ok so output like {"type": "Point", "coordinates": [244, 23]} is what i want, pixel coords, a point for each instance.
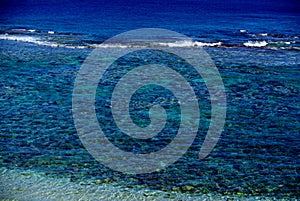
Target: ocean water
{"type": "Point", "coordinates": [254, 44]}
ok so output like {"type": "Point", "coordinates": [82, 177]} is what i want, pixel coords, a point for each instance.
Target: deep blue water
{"type": "Point", "coordinates": [258, 153]}
{"type": "Point", "coordinates": [206, 20]}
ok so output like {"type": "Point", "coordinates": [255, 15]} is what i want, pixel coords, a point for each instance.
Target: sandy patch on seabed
{"type": "Point", "coordinates": [31, 186]}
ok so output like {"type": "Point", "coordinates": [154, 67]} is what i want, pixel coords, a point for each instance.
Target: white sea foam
{"type": "Point", "coordinates": [255, 44]}
{"type": "Point", "coordinates": [189, 44]}
{"type": "Point", "coordinates": [39, 41]}
{"type": "Point", "coordinates": [28, 39]}
{"type": "Point", "coordinates": [159, 44]}
{"type": "Point", "coordinates": [44, 41]}
{"type": "Point", "coordinates": [114, 45]}
{"type": "Point", "coordinates": [21, 30]}
{"type": "Point", "coordinates": [283, 42]}
{"type": "Point", "coordinates": [243, 31]}
{"type": "Point", "coordinates": [51, 32]}
{"type": "Point", "coordinates": [263, 34]}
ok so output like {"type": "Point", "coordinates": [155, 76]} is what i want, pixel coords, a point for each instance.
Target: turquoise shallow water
{"type": "Point", "coordinates": [258, 153]}
{"type": "Point", "coordinates": [255, 46]}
